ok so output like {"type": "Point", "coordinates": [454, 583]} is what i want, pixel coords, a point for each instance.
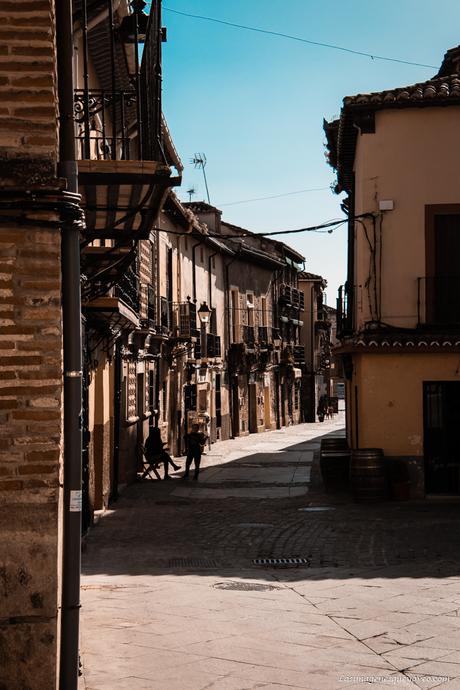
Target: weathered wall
{"type": "Point", "coordinates": [390, 398]}
{"type": "Point", "coordinates": [31, 354]}
{"type": "Point", "coordinates": [392, 164]}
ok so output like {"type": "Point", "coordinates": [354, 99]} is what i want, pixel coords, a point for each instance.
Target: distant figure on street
{"type": "Point", "coordinates": [154, 450]}
{"type": "Point", "coordinates": [196, 440]}
{"type": "Point", "coordinates": [322, 408]}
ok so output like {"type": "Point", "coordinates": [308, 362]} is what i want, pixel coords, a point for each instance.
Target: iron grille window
{"type": "Point", "coordinates": [165, 313]}
{"type": "Point", "coordinates": [213, 345]}
{"type": "Point", "coordinates": [190, 397]}
{"type": "Point", "coordinates": [127, 289]}
{"type": "Point", "coordinates": [248, 335]}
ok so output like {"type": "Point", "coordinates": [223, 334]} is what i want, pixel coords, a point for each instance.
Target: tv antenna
{"type": "Point", "coordinates": [199, 161]}
{"type": "Point", "coordinates": [190, 193]}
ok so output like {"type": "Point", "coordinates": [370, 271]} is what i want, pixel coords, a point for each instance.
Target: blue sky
{"type": "Point", "coordinates": [254, 104]}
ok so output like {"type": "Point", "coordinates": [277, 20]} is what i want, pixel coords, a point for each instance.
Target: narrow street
{"type": "Point", "coordinates": [173, 600]}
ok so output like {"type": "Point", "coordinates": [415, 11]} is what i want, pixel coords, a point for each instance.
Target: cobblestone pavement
{"type": "Point", "coordinates": [173, 600]}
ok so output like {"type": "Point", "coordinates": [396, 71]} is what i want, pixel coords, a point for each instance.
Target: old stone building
{"type": "Point", "coordinates": [85, 69]}
{"type": "Point", "coordinates": [262, 316]}
{"type": "Point", "coordinates": [399, 318]}
{"type": "Point", "coordinates": [125, 159]}
{"type": "Point", "coordinates": [315, 339]}
{"type": "Point", "coordinates": [35, 211]}
{"type": "Point", "coordinates": [122, 308]}
{"type": "Point", "coordinates": [190, 272]}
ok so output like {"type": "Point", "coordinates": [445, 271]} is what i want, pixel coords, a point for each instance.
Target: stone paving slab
{"type": "Point", "coordinates": [172, 599]}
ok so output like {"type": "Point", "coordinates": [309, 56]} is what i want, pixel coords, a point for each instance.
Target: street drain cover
{"type": "Point", "coordinates": [245, 586]}
{"type": "Point", "coordinates": [292, 562]}
{"type": "Point", "coordinates": [193, 563]}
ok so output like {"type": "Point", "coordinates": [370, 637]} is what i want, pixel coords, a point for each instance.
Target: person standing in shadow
{"type": "Point", "coordinates": [155, 450]}
{"type": "Point", "coordinates": [196, 440]}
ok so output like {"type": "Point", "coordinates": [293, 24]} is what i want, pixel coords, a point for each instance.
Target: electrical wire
{"type": "Point", "coordinates": [275, 196]}
{"type": "Point", "coordinates": [299, 39]}
{"type": "Point", "coordinates": [329, 226]}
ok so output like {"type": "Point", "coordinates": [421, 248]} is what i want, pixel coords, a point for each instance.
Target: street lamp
{"type": "Point", "coordinates": [204, 313]}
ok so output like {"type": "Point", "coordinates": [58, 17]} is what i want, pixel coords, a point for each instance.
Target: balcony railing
{"type": "Point", "coordinates": [151, 306]}
{"type": "Point", "coordinates": [213, 345]}
{"type": "Point", "coordinates": [291, 296]}
{"type": "Point", "coordinates": [185, 321]}
{"type": "Point", "coordinates": [165, 314]}
{"type": "Point", "coordinates": [248, 336]}
{"type": "Point", "coordinates": [322, 325]}
{"type": "Point", "coordinates": [299, 354]}
{"type": "Point", "coordinates": [343, 312]}
{"type": "Point", "coordinates": [438, 301]}
{"type": "Point", "coordinates": [127, 289]}
{"type": "Point", "coordinates": [104, 120]}
{"type": "Point", "coordinates": [123, 121]}
{"type": "Point", "coordinates": [263, 335]}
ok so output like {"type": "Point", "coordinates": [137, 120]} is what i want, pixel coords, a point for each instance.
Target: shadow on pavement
{"type": "Point", "coordinates": [152, 531]}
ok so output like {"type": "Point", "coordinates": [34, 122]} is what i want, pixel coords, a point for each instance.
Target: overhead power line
{"type": "Point", "coordinates": [275, 196]}
{"type": "Point", "coordinates": [328, 226]}
{"type": "Point", "coordinates": [299, 39]}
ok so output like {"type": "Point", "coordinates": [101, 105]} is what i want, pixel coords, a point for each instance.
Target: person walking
{"type": "Point", "coordinates": [154, 450]}
{"type": "Point", "coordinates": [196, 440]}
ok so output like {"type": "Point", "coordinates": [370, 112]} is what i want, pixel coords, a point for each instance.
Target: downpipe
{"type": "Point", "coordinates": [72, 345]}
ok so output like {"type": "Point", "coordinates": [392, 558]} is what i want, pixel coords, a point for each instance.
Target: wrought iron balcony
{"type": "Point", "coordinates": [104, 121]}
{"type": "Point", "coordinates": [343, 312]}
{"type": "Point", "coordinates": [151, 306]}
{"type": "Point", "coordinates": [438, 301]}
{"type": "Point", "coordinates": [291, 296]}
{"type": "Point", "coordinates": [263, 335]}
{"type": "Point", "coordinates": [299, 354]}
{"type": "Point", "coordinates": [165, 314]}
{"type": "Point", "coordinates": [184, 320]}
{"type": "Point", "coordinates": [248, 336]}
{"type": "Point", "coordinates": [322, 325]}
{"type": "Point", "coordinates": [149, 322]}
{"type": "Point", "coordinates": [127, 289]}
{"type": "Point", "coordinates": [213, 345]}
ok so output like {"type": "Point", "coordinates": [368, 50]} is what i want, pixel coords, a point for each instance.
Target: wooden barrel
{"type": "Point", "coordinates": [334, 443]}
{"type": "Point", "coordinates": [367, 475]}
{"type": "Point", "coordinates": [335, 462]}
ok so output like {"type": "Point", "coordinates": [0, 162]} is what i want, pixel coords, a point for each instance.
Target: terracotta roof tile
{"type": "Point", "coordinates": [442, 89]}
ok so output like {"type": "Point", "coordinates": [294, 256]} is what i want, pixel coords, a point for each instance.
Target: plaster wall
{"type": "Point", "coordinates": [412, 159]}
{"type": "Point", "coordinates": [390, 398]}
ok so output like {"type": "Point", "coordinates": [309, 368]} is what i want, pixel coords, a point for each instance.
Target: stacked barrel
{"type": "Point", "coordinates": [362, 470]}
{"type": "Point", "coordinates": [367, 475]}
{"type": "Point", "coordinates": [335, 462]}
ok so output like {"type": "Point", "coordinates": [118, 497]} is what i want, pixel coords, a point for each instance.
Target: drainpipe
{"type": "Point", "coordinates": [227, 323]}
{"type": "Point", "coordinates": [350, 284]}
{"type": "Point", "coordinates": [194, 269]}
{"type": "Point", "coordinates": [210, 257]}
{"type": "Point", "coordinates": [71, 311]}
{"type": "Point", "coordinates": [117, 420]}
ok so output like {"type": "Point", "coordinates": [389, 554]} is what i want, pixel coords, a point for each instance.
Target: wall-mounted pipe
{"type": "Point", "coordinates": [72, 355]}
{"type": "Point", "coordinates": [197, 244]}
{"type": "Point", "coordinates": [210, 258]}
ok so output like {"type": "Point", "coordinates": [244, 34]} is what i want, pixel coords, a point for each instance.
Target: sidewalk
{"type": "Point", "coordinates": [172, 599]}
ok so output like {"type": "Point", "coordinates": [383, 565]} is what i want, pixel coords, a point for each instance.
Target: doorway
{"type": "Point", "coordinates": [441, 437]}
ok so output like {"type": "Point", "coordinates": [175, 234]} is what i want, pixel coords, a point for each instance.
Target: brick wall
{"type": "Point", "coordinates": [28, 81]}
{"type": "Point", "coordinates": [30, 352]}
